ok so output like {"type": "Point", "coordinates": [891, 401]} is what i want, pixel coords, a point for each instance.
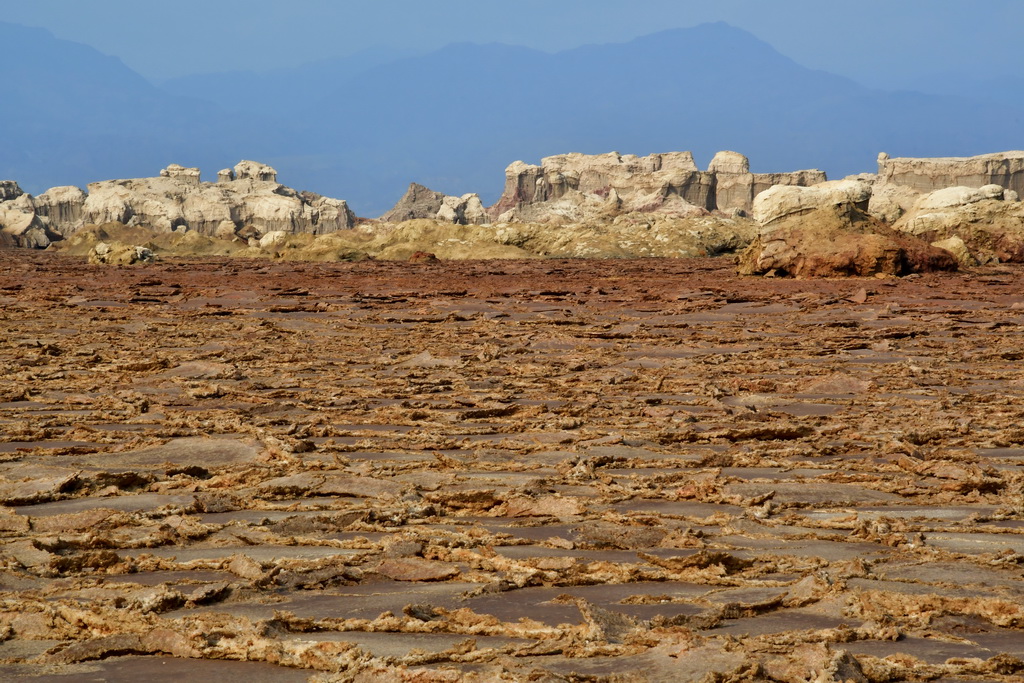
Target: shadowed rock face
{"type": "Point", "coordinates": [421, 202]}
{"type": "Point", "coordinates": [417, 202]}
{"type": "Point", "coordinates": [9, 189]}
{"type": "Point", "coordinates": [61, 208]}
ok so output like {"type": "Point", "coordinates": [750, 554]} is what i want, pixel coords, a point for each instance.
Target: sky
{"type": "Point", "coordinates": [880, 43]}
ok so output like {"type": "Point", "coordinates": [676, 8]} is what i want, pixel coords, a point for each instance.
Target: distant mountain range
{"type": "Point", "coordinates": [363, 127]}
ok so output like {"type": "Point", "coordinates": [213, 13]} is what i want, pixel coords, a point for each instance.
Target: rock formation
{"type": "Point", "coordinates": [178, 200]}
{"type": "Point", "coordinates": [422, 202]}
{"type": "Point", "coordinates": [807, 230]}
{"type": "Point", "coordinates": [607, 205]}
{"type": "Point", "coordinates": [900, 181]}
{"type": "Point", "coordinates": [665, 183]}
{"type": "Point", "coordinates": [9, 189]}
{"type": "Point", "coordinates": [735, 187]}
{"type": "Point", "coordinates": [61, 208]}
{"type": "Point", "coordinates": [988, 222]}
{"type": "Point", "coordinates": [247, 197]}
{"type": "Point", "coordinates": [254, 170]}
{"type": "Point", "coordinates": [836, 240]}
{"type": "Point", "coordinates": [188, 176]}
{"type": "Point", "coordinates": [119, 254]}
{"type": "Point", "coordinates": [19, 224]}
{"type": "Point", "coordinates": [782, 201]}
{"type": "Point", "coordinates": [928, 174]}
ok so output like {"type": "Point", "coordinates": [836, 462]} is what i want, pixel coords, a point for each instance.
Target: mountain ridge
{"type": "Point", "coordinates": [453, 118]}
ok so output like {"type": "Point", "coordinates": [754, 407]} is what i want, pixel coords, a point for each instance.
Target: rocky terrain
{"type": "Point", "coordinates": [217, 468]}
{"type": "Point", "coordinates": [245, 200]}
{"type": "Point", "coordinates": [906, 218]}
{"type": "Point", "coordinates": [573, 186]}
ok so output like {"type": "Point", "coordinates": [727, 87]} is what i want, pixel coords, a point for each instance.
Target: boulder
{"type": "Point", "coordinates": [729, 162]}
{"type": "Point", "coordinates": [464, 210]}
{"type": "Point", "coordinates": [120, 254]}
{"type": "Point", "coordinates": [958, 248]}
{"type": "Point", "coordinates": [953, 197]}
{"type": "Point", "coordinates": [889, 202]}
{"type": "Point", "coordinates": [782, 201]}
{"type": "Point", "coordinates": [835, 240]}
{"type": "Point", "coordinates": [273, 239]}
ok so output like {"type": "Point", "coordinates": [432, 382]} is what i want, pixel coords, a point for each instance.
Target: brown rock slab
{"type": "Point", "coordinates": [544, 506]}
{"type": "Point", "coordinates": [811, 493]}
{"type": "Point", "coordinates": [201, 369]}
{"type": "Point", "coordinates": [416, 569]}
{"type": "Point", "coordinates": [36, 486]}
{"type": "Point", "coordinates": [198, 452]}
{"type": "Point", "coordinates": [839, 241]}
{"type": "Point", "coordinates": [358, 487]}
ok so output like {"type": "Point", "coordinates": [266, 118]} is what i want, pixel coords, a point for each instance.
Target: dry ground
{"type": "Point", "coordinates": [547, 470]}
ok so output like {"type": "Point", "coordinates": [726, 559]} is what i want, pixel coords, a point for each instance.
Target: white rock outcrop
{"type": "Point", "coordinates": [20, 226]}
{"type": "Point", "coordinates": [1005, 169]}
{"type": "Point", "coordinates": [596, 186]}
{"type": "Point", "coordinates": [176, 200]}
{"type": "Point", "coordinates": [780, 201]}
{"type": "Point", "coordinates": [464, 210]}
{"type": "Point", "coordinates": [247, 197]}
{"type": "Point", "coordinates": [988, 221]}
{"type": "Point", "coordinates": [61, 208]}
{"type": "Point", "coordinates": [950, 197]}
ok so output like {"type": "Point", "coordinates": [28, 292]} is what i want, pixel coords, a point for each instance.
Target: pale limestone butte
{"type": "Point", "coordinates": [247, 196]}
{"type": "Point", "coordinates": [669, 182]}
{"type": "Point", "coordinates": [177, 199]}
{"type": "Point", "coordinates": [927, 174]}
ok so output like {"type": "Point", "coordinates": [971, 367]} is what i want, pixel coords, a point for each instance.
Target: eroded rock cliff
{"type": "Point", "coordinates": [582, 187]}
{"type": "Point", "coordinates": [928, 174]}
{"type": "Point", "coordinates": [177, 199]}
{"type": "Point", "coordinates": [247, 198]}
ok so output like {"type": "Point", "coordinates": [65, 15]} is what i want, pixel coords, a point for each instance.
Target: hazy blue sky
{"type": "Point", "coordinates": [878, 42]}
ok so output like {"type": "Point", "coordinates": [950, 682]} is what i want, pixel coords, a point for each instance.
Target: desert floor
{"type": "Point", "coordinates": [639, 470]}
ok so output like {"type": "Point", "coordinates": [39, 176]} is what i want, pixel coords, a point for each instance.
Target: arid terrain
{"type": "Point", "coordinates": [549, 470]}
